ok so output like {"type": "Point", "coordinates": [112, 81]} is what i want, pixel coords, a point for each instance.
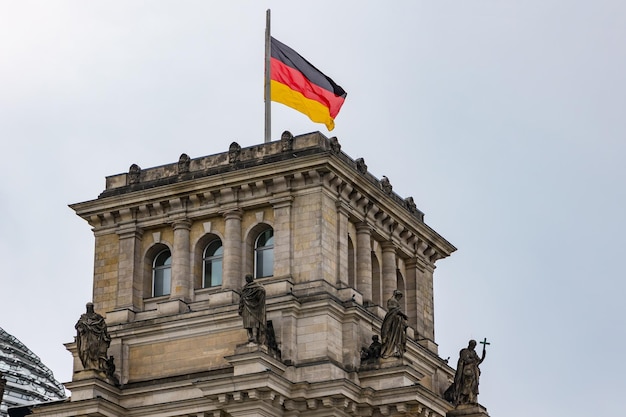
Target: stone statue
{"type": "Point", "coordinates": [92, 340]}
{"type": "Point", "coordinates": [393, 330]}
{"type": "Point", "coordinates": [464, 389]}
{"type": "Point", "coordinates": [252, 309]}
{"type": "Point", "coordinates": [371, 353]}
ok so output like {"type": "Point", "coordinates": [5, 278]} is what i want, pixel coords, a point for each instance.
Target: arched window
{"type": "Point", "coordinates": [162, 273]}
{"type": "Point", "coordinates": [212, 264]}
{"type": "Point", "coordinates": [264, 254]}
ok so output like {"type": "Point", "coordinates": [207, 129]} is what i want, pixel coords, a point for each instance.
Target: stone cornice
{"type": "Point", "coordinates": [201, 196]}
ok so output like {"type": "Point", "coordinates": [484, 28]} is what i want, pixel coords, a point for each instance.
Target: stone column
{"type": "Point", "coordinates": [342, 243]}
{"type": "Point", "coordinates": [129, 272]}
{"type": "Point", "coordinates": [364, 261]}
{"type": "Point", "coordinates": [390, 268]}
{"type": "Point", "coordinates": [182, 282]}
{"type": "Point", "coordinates": [232, 278]}
{"type": "Point", "coordinates": [283, 231]}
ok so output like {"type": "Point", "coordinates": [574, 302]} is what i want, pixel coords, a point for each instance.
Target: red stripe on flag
{"type": "Point", "coordinates": [295, 80]}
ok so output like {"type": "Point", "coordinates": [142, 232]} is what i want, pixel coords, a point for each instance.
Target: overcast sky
{"type": "Point", "coordinates": [504, 120]}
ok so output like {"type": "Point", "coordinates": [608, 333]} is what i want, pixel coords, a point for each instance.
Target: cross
{"type": "Point", "coordinates": [485, 343]}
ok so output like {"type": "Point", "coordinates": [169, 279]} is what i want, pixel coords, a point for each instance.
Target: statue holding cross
{"type": "Point", "coordinates": [464, 389]}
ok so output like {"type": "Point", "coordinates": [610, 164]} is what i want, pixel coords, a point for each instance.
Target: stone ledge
{"type": "Point", "coordinates": [468, 410]}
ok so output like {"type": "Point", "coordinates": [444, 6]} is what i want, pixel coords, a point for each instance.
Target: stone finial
{"type": "Point", "coordinates": [335, 146]}
{"type": "Point", "coordinates": [183, 163]}
{"type": "Point", "coordinates": [410, 205]}
{"type": "Point", "coordinates": [361, 166]}
{"type": "Point", "coordinates": [133, 174]}
{"type": "Point", "coordinates": [286, 141]}
{"type": "Point", "coordinates": [234, 153]}
{"type": "Point", "coordinates": [386, 185]}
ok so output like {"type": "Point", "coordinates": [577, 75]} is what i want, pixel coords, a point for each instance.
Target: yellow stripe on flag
{"type": "Point", "coordinates": [316, 111]}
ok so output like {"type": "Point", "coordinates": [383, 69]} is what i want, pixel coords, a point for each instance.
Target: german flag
{"type": "Point", "coordinates": [296, 83]}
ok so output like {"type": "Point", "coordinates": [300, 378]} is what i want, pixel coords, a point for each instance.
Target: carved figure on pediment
{"type": "Point", "coordinates": [361, 166]}
{"type": "Point", "coordinates": [234, 153]}
{"type": "Point", "coordinates": [252, 310]}
{"type": "Point", "coordinates": [133, 174]}
{"type": "Point", "coordinates": [335, 146]}
{"type": "Point", "coordinates": [464, 389]}
{"type": "Point", "coordinates": [393, 330]}
{"type": "Point", "coordinates": [386, 185]}
{"type": "Point", "coordinates": [92, 340]}
{"type": "Point", "coordinates": [286, 141]}
{"type": "Point", "coordinates": [183, 163]}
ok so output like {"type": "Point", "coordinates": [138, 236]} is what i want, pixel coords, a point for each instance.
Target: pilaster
{"type": "Point", "coordinates": [129, 273]}
{"type": "Point", "coordinates": [414, 301]}
{"type": "Point", "coordinates": [343, 209]}
{"type": "Point", "coordinates": [283, 231]}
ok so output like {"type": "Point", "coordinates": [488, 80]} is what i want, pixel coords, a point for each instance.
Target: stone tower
{"type": "Point", "coordinates": [327, 240]}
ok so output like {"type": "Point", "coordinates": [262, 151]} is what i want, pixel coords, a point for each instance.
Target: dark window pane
{"type": "Point", "coordinates": [264, 254]}
{"type": "Point", "coordinates": [163, 258]}
{"type": "Point", "coordinates": [213, 273]}
{"type": "Point", "coordinates": [162, 281]}
{"type": "Point", "coordinates": [215, 248]}
{"type": "Point", "coordinates": [265, 239]}
{"type": "Point", "coordinates": [162, 273]}
{"type": "Point", "coordinates": [213, 264]}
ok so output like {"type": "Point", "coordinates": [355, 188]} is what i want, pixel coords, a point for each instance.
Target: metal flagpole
{"type": "Point", "coordinates": [268, 101]}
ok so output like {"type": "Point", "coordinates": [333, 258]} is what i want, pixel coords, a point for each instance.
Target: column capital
{"type": "Point", "coordinates": [235, 213]}
{"type": "Point", "coordinates": [184, 224]}
{"type": "Point", "coordinates": [280, 202]}
{"type": "Point", "coordinates": [416, 262]}
{"type": "Point", "coordinates": [130, 230]}
{"type": "Point", "coordinates": [363, 227]}
{"type": "Point", "coordinates": [388, 246]}
{"type": "Point", "coordinates": [343, 207]}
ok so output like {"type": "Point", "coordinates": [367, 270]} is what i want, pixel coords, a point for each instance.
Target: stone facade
{"type": "Point", "coordinates": [342, 243]}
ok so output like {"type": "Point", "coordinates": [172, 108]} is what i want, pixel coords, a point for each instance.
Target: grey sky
{"type": "Point", "coordinates": [504, 120]}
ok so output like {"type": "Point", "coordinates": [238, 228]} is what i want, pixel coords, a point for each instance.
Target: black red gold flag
{"type": "Point", "coordinates": [296, 83]}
